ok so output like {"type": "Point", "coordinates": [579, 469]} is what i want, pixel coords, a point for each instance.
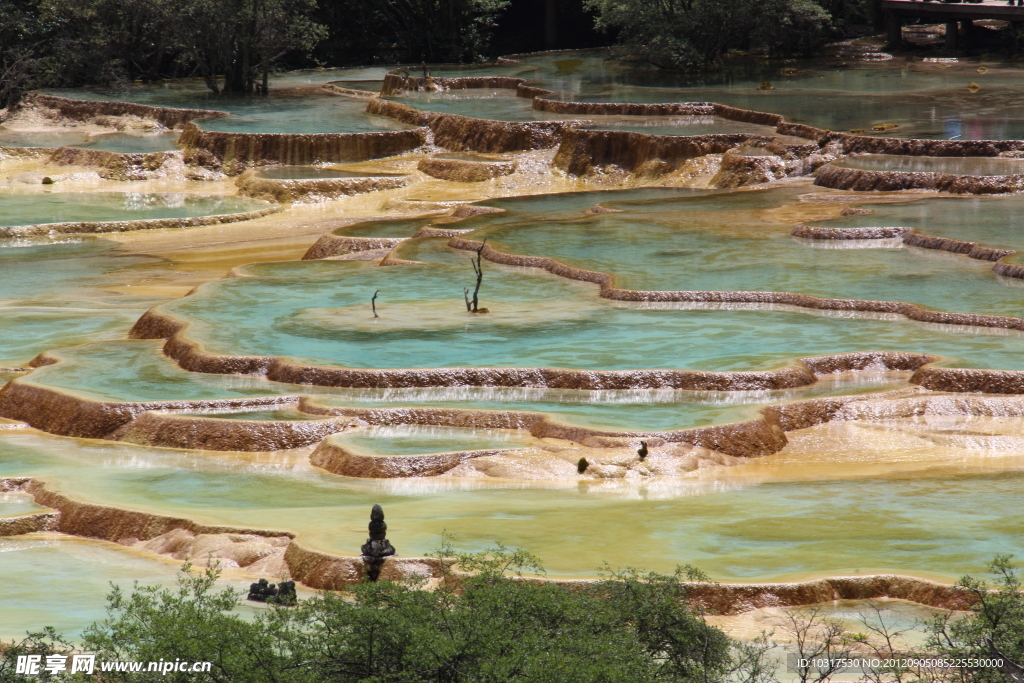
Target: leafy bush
{"type": "Point", "coordinates": [492, 617]}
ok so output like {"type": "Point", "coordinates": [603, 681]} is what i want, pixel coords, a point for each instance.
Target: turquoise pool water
{"type": "Point", "coordinates": [59, 207]}
{"type": "Point", "coordinates": [310, 113]}
{"type": "Point", "coordinates": [298, 106]}
{"type": "Point", "coordinates": [992, 221]}
{"type": "Point", "coordinates": [415, 439]}
{"type": "Point", "coordinates": [9, 138]}
{"type": "Point", "coordinates": [982, 166]}
{"type": "Point", "coordinates": [12, 504]}
{"type": "Point", "coordinates": [133, 143]}
{"type": "Point", "coordinates": [314, 311]}
{"type": "Point", "coordinates": [63, 582]}
{"type": "Point", "coordinates": [762, 524]}
{"type": "Point", "coordinates": [731, 241]}
{"type": "Point", "coordinates": [927, 100]}
{"type": "Point", "coordinates": [54, 295]}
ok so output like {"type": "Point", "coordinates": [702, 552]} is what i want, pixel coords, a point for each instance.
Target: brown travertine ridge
{"type": "Point", "coordinates": [29, 523]}
{"type": "Point", "coordinates": [738, 169]}
{"type": "Point", "coordinates": [234, 152]}
{"type": "Point", "coordinates": [813, 232]}
{"type": "Point", "coordinates": [676, 109]}
{"type": "Point", "coordinates": [113, 165]}
{"type": "Point", "coordinates": [839, 178]}
{"type": "Point", "coordinates": [59, 412]}
{"type": "Point", "coordinates": [907, 236]}
{"type": "Point", "coordinates": [431, 231]}
{"type": "Point", "coordinates": [581, 151]}
{"type": "Point", "coordinates": [251, 184]}
{"type": "Point", "coordinates": [338, 245]}
{"type": "Point", "coordinates": [339, 460]}
{"type": "Point", "coordinates": [258, 549]}
{"type": "Point", "coordinates": [467, 134]}
{"type": "Point", "coordinates": [26, 152]}
{"type": "Point", "coordinates": [464, 171]}
{"type": "Point", "coordinates": [865, 144]}
{"type": "Point", "coordinates": [56, 412]}
{"type": "Point", "coordinates": [348, 92]}
{"type": "Point", "coordinates": [125, 226]}
{"type": "Point", "coordinates": [395, 83]}
{"type": "Point", "coordinates": [625, 108]}
{"type": "Point", "coordinates": [170, 430]}
{"type": "Point", "coordinates": [84, 110]}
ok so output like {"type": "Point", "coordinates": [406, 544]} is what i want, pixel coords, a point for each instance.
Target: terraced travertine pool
{"type": "Point", "coordinates": [776, 425]}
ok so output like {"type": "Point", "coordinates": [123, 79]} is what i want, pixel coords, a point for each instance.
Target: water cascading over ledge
{"type": "Point", "coordinates": [582, 151]}
{"type": "Point", "coordinates": [234, 152]}
{"type": "Point", "coordinates": [467, 134]}
{"type": "Point", "coordinates": [252, 184]}
{"type": "Point", "coordinates": [395, 83]}
{"type": "Point", "coordinates": [85, 110]}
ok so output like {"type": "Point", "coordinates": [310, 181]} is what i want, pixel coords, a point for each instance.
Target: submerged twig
{"type": "Point", "coordinates": [373, 303]}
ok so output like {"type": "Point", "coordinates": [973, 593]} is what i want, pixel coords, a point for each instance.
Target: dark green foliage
{"type": "Point", "coordinates": [694, 34]}
{"type": "Point", "coordinates": [21, 37]}
{"type": "Point", "coordinates": [998, 617]}
{"type": "Point", "coordinates": [492, 620]}
{"type": "Point", "coordinates": [242, 39]}
{"type": "Point", "coordinates": [82, 42]}
{"type": "Point", "coordinates": [192, 623]}
{"type": "Point", "coordinates": [232, 44]}
{"type": "Point", "coordinates": [408, 31]}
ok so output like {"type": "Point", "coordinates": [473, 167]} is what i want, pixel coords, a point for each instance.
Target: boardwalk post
{"type": "Point", "coordinates": [952, 31]}
{"type": "Point", "coordinates": [894, 23]}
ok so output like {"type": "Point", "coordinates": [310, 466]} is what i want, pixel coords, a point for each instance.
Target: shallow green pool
{"type": "Point", "coordinates": [415, 439]}
{"type": "Point", "coordinates": [979, 166]}
{"type": "Point", "coordinates": [60, 207]}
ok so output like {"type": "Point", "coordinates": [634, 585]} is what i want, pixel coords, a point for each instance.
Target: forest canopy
{"type": "Point", "coordinates": [234, 44]}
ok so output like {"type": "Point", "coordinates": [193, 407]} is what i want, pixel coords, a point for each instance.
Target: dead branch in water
{"type": "Point", "coordinates": [373, 303]}
{"type": "Point", "coordinates": [479, 270]}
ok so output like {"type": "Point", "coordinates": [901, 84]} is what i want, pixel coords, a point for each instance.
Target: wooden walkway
{"type": "Point", "coordinates": [897, 11]}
